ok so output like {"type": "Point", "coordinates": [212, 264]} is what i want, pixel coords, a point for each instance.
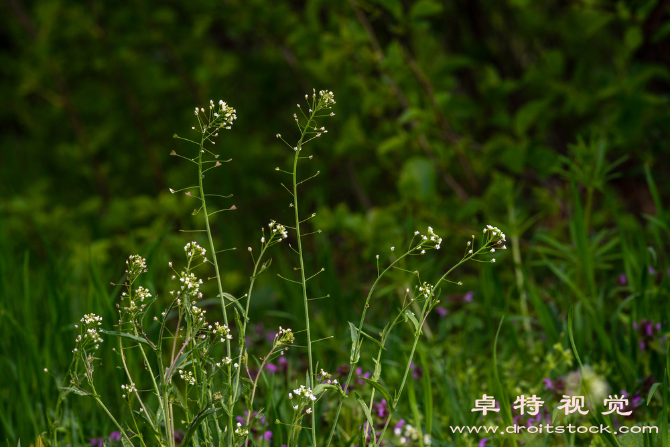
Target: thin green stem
{"type": "Point", "coordinates": [302, 266]}
{"type": "Point", "coordinates": [125, 367]}
{"type": "Point", "coordinates": [417, 335]}
{"type": "Point", "coordinates": [244, 329]}
{"type": "Point", "coordinates": [97, 399]}
{"type": "Point", "coordinates": [357, 348]}
{"type": "Point", "coordinates": [218, 281]}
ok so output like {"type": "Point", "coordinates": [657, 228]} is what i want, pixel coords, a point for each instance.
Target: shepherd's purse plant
{"type": "Point", "coordinates": [204, 381]}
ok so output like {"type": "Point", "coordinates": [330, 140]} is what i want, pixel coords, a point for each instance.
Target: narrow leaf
{"type": "Point", "coordinates": [130, 336]}
{"type": "Point", "coordinates": [384, 392]}
{"type": "Point", "coordinates": [355, 354]}
{"type": "Point", "coordinates": [368, 416]}
{"type": "Point", "coordinates": [652, 390]}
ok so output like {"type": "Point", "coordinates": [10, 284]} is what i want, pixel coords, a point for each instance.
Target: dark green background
{"type": "Point", "coordinates": [453, 114]}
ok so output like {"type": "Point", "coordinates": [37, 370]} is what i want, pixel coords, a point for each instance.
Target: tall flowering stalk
{"type": "Point", "coordinates": [309, 130]}
{"type": "Point", "coordinates": [187, 375]}
{"type": "Point", "coordinates": [493, 239]}
{"type": "Point", "coordinates": [209, 123]}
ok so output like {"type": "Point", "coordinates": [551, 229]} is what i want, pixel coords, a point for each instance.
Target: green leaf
{"type": "Point", "coordinates": [178, 363]}
{"type": "Point", "coordinates": [609, 437]}
{"type": "Point", "coordinates": [371, 338]}
{"type": "Point", "coordinates": [368, 416]}
{"type": "Point", "coordinates": [384, 392]}
{"type": "Point", "coordinates": [125, 442]}
{"type": "Point", "coordinates": [652, 390]}
{"type": "Point", "coordinates": [75, 390]}
{"type": "Point", "coordinates": [632, 440]}
{"type": "Point", "coordinates": [355, 352]}
{"type": "Point", "coordinates": [199, 419]}
{"type": "Point", "coordinates": [235, 301]}
{"type": "Point", "coordinates": [504, 401]}
{"type": "Point", "coordinates": [418, 179]}
{"type": "Point", "coordinates": [413, 319]}
{"type": "Point", "coordinates": [527, 115]}
{"type": "Point", "coordinates": [425, 9]}
{"type": "Point", "coordinates": [130, 336]}
{"type": "Point", "coordinates": [390, 144]}
{"type": "Point", "coordinates": [264, 268]}
{"type": "Point", "coordinates": [322, 387]}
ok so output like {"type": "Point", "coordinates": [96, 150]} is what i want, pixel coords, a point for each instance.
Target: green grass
{"type": "Point", "coordinates": [44, 294]}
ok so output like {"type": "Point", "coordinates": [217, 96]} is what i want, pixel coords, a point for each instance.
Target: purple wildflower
{"type": "Point", "coordinates": [417, 371]}
{"type": "Point", "coordinates": [468, 296]}
{"type": "Point", "coordinates": [441, 311]}
{"type": "Point", "coordinates": [622, 279]}
{"type": "Point", "coordinates": [647, 332]}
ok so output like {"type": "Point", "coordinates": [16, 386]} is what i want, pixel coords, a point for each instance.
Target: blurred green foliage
{"type": "Point", "coordinates": [548, 119]}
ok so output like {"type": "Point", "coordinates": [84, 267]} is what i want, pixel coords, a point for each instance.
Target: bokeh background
{"type": "Point", "coordinates": [547, 119]}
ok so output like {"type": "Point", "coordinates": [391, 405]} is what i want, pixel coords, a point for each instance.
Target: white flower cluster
{"type": "Point", "coordinates": [225, 361]}
{"type": "Point", "coordinates": [285, 336]}
{"type": "Point", "coordinates": [241, 431]}
{"type": "Point", "coordinates": [90, 334]}
{"type": "Point", "coordinates": [225, 116]}
{"type": "Point", "coordinates": [223, 331]}
{"type": "Point", "coordinates": [187, 376]}
{"type": "Point", "coordinates": [199, 313]}
{"type": "Point", "coordinates": [142, 293]}
{"type": "Point", "coordinates": [430, 241]}
{"type": "Point", "coordinates": [495, 238]}
{"type": "Point", "coordinates": [408, 433]}
{"type": "Point", "coordinates": [326, 377]}
{"type": "Point", "coordinates": [304, 396]}
{"type": "Point", "coordinates": [190, 282]}
{"type": "Point", "coordinates": [91, 320]}
{"type": "Point", "coordinates": [426, 290]}
{"type": "Point", "coordinates": [128, 389]}
{"type": "Point", "coordinates": [494, 234]}
{"type": "Point", "coordinates": [278, 228]}
{"type": "Point", "coordinates": [193, 250]}
{"type": "Point", "coordinates": [305, 392]}
{"type": "Point", "coordinates": [326, 98]}
{"type": "Point", "coordinates": [135, 265]}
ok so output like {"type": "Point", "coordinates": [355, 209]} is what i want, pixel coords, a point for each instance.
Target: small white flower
{"type": "Point", "coordinates": [295, 407]}
{"type": "Point", "coordinates": [392, 248]}
{"type": "Point", "coordinates": [493, 260]}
